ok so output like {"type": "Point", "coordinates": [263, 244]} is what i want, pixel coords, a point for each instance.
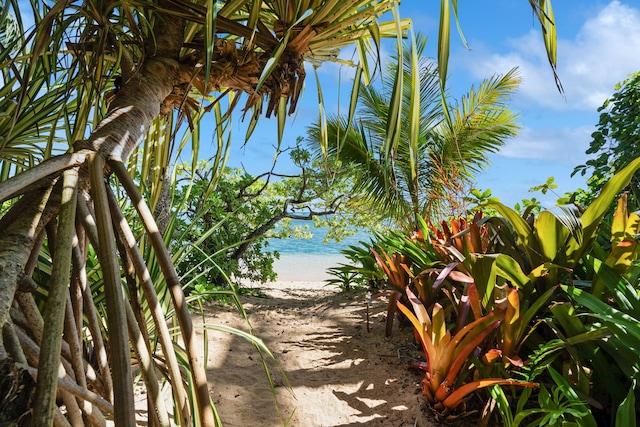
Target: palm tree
{"type": "Point", "coordinates": [441, 146]}
{"type": "Point", "coordinates": [108, 84]}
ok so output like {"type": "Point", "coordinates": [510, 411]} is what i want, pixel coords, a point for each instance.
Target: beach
{"type": "Point", "coordinates": [305, 267]}
{"type": "Point", "coordinates": [333, 372]}
{"type": "Point", "coordinates": [333, 365]}
{"type": "Point", "coordinates": [328, 363]}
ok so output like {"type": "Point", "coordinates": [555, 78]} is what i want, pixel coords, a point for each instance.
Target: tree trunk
{"type": "Point", "coordinates": [144, 95]}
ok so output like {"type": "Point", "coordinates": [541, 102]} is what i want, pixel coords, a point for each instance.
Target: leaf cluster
{"type": "Point", "coordinates": [444, 143]}
{"type": "Point", "coordinates": [497, 289]}
{"type": "Point", "coordinates": [615, 141]}
{"type": "Point", "coordinates": [245, 211]}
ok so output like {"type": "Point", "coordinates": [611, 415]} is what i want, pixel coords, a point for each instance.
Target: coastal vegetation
{"type": "Point", "coordinates": [525, 317]}
{"type": "Point", "coordinates": [97, 93]}
{"type": "Point", "coordinates": [531, 301]}
{"type": "Point", "coordinates": [546, 303]}
{"type": "Point", "coordinates": [447, 141]}
{"type": "Point", "coordinates": [230, 223]}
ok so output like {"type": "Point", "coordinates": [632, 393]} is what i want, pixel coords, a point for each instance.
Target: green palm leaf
{"type": "Point", "coordinates": [433, 156]}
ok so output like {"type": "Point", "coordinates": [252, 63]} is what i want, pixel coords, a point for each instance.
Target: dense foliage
{"type": "Point", "coordinates": [230, 224]}
{"type": "Point", "coordinates": [615, 141]}
{"type": "Point", "coordinates": [530, 301]}
{"type": "Point", "coordinates": [96, 90]}
{"type": "Point", "coordinates": [229, 220]}
{"type": "Point", "coordinates": [94, 94]}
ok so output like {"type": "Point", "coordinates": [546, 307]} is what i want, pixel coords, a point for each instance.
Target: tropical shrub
{"type": "Point", "coordinates": [546, 283]}
{"type": "Point", "coordinates": [239, 212]}
{"type": "Point", "coordinates": [230, 220]}
{"type": "Point", "coordinates": [450, 357]}
{"type": "Point", "coordinates": [615, 141]}
{"type": "Point", "coordinates": [445, 142]}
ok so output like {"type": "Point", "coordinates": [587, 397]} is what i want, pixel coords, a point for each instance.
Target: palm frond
{"type": "Point", "coordinates": [481, 123]}
{"type": "Point", "coordinates": [437, 156]}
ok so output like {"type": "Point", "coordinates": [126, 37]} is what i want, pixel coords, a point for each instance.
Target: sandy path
{"type": "Point", "coordinates": [340, 374]}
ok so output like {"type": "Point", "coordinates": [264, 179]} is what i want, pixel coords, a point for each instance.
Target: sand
{"type": "Point", "coordinates": [306, 267]}
{"type": "Point", "coordinates": [338, 372]}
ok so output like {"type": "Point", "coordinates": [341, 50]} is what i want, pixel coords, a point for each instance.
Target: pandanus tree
{"type": "Point", "coordinates": [93, 94]}
{"type": "Point", "coordinates": [104, 81]}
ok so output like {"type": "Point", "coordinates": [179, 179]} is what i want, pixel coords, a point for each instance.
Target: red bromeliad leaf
{"type": "Point", "coordinates": [439, 327]}
{"type": "Point", "coordinates": [466, 334]}
{"type": "Point", "coordinates": [423, 366]}
{"type": "Point", "coordinates": [491, 357]}
{"type": "Point", "coordinates": [443, 275]}
{"type": "Point", "coordinates": [391, 311]}
{"type": "Point", "coordinates": [461, 358]}
{"type": "Point", "coordinates": [456, 239]}
{"type": "Point", "coordinates": [474, 300]}
{"type": "Point", "coordinates": [393, 268]}
{"type": "Point", "coordinates": [426, 391]}
{"type": "Point", "coordinates": [422, 327]}
{"type": "Point", "coordinates": [461, 277]}
{"type": "Point", "coordinates": [475, 239]}
{"type": "Point", "coordinates": [418, 308]}
{"type": "Point", "coordinates": [515, 361]}
{"type": "Point", "coordinates": [512, 323]}
{"type": "Point", "coordinates": [456, 396]}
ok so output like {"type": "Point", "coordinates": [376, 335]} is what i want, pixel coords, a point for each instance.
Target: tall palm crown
{"type": "Point", "coordinates": [438, 156]}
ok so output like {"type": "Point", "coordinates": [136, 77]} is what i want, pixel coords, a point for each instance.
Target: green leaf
{"type": "Point", "coordinates": [585, 417]}
{"type": "Point", "coordinates": [272, 62]}
{"type": "Point", "coordinates": [484, 273]}
{"type": "Point", "coordinates": [624, 327]}
{"type": "Point", "coordinates": [414, 109]}
{"type": "Point", "coordinates": [460, 33]}
{"type": "Point", "coordinates": [511, 270]}
{"type": "Point", "coordinates": [624, 293]}
{"type": "Point", "coordinates": [444, 36]}
{"type": "Point", "coordinates": [394, 120]}
{"type": "Point", "coordinates": [524, 235]}
{"type": "Point", "coordinates": [626, 413]}
{"type": "Point", "coordinates": [550, 234]}
{"type": "Point", "coordinates": [593, 215]}
{"type": "Point", "coordinates": [353, 103]}
{"type": "Point", "coordinates": [209, 38]}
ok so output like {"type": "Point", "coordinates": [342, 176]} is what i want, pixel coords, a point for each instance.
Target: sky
{"type": "Point", "coordinates": [598, 46]}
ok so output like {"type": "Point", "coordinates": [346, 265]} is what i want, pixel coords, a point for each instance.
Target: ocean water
{"type": "Point", "coordinates": [315, 245]}
{"type": "Point", "coordinates": [309, 259]}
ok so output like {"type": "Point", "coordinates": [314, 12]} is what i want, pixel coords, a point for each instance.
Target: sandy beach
{"type": "Point", "coordinates": [339, 374]}
{"type": "Point", "coordinates": [340, 370]}
{"type": "Point", "coordinates": [306, 267]}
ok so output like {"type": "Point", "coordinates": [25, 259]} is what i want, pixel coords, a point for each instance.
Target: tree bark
{"type": "Point", "coordinates": [143, 96]}
{"type": "Point", "coordinates": [16, 243]}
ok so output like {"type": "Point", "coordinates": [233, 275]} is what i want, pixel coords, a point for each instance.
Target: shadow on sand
{"type": "Point", "coordinates": [338, 373]}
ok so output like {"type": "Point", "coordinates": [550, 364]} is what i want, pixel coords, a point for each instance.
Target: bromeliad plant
{"type": "Point", "coordinates": [450, 355]}
{"type": "Point", "coordinates": [512, 268]}
{"type": "Point", "coordinates": [412, 261]}
{"type": "Point", "coordinates": [557, 243]}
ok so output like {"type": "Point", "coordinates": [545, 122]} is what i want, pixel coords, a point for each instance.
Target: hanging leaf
{"type": "Point", "coordinates": [209, 38]}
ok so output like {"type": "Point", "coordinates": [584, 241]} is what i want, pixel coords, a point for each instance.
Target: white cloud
{"type": "Point", "coordinates": [603, 51]}
{"type": "Point", "coordinates": [560, 145]}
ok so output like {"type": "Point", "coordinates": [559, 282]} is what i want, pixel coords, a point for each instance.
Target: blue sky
{"type": "Point", "coordinates": [598, 46]}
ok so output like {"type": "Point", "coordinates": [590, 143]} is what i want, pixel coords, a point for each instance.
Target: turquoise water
{"type": "Point", "coordinates": [315, 245]}
{"type": "Point", "coordinates": [304, 260]}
